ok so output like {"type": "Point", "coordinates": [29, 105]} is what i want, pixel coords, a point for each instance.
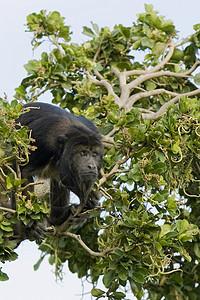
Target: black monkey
{"type": "Point", "coordinates": [69, 152]}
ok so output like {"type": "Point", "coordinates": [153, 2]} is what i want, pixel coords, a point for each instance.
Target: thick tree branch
{"type": "Point", "coordinates": [149, 75]}
{"type": "Point", "coordinates": [126, 100]}
{"type": "Point", "coordinates": [125, 91]}
{"type": "Point", "coordinates": [108, 142]}
{"type": "Point", "coordinates": [139, 96]}
{"type": "Point", "coordinates": [144, 72]}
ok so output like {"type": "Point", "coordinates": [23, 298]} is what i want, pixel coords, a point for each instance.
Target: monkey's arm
{"type": "Point", "coordinates": [59, 200]}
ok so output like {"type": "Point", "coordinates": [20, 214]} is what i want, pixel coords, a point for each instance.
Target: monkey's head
{"type": "Point", "coordinates": [80, 161]}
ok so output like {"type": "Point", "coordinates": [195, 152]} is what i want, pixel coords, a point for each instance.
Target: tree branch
{"type": "Point", "coordinates": [112, 172]}
{"type": "Point", "coordinates": [32, 184]}
{"type": "Point", "coordinates": [105, 83]}
{"type": "Point", "coordinates": [149, 75]}
{"type": "Point", "coordinates": [144, 72]}
{"type": "Point", "coordinates": [7, 209]}
{"type": "Point", "coordinates": [139, 96]}
{"type": "Point", "coordinates": [166, 59]}
{"type": "Point", "coordinates": [164, 107]}
{"type": "Point", "coordinates": [91, 252]}
{"type": "Point", "coordinates": [125, 91]}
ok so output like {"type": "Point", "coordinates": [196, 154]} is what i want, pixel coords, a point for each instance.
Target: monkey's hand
{"type": "Point", "coordinates": [59, 215]}
{"type": "Point", "coordinates": [35, 230]}
{"type": "Point", "coordinates": [92, 200]}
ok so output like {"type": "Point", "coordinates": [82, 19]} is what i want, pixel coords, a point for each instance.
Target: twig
{"type": "Point", "coordinates": [7, 209]}
{"type": "Point", "coordinates": [97, 53]}
{"type": "Point", "coordinates": [166, 59]}
{"type": "Point", "coordinates": [112, 172]}
{"type": "Point", "coordinates": [54, 41]}
{"type": "Point", "coordinates": [1, 179]}
{"type": "Point", "coordinates": [32, 184]}
{"type": "Point", "coordinates": [165, 73]}
{"type": "Point", "coordinates": [91, 252]}
{"type": "Point", "coordinates": [12, 171]}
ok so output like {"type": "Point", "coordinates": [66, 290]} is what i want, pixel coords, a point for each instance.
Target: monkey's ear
{"type": "Point", "coordinates": [62, 139]}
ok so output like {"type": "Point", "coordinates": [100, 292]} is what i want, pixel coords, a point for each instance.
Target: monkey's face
{"type": "Point", "coordinates": [87, 162]}
{"type": "Point", "coordinates": [82, 167]}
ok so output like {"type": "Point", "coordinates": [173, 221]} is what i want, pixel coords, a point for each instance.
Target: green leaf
{"type": "Point", "coordinates": [118, 252]}
{"type": "Point", "coordinates": [176, 149]}
{"type": "Point", "coordinates": [148, 8]}
{"type": "Point", "coordinates": [108, 278]}
{"type": "Point", "coordinates": [6, 228]}
{"type": "Point", "coordinates": [197, 250]}
{"type": "Point", "coordinates": [3, 276]}
{"type": "Point", "coordinates": [31, 66]}
{"type": "Point", "coordinates": [87, 31]}
{"type": "Point", "coordinates": [97, 292]}
{"type": "Point", "coordinates": [138, 277]}
{"type": "Point", "coordinates": [119, 295]}
{"type": "Point", "coordinates": [37, 265]}
{"type": "Point", "coordinates": [9, 183]}
{"type": "Point", "coordinates": [172, 206]}
{"type": "Point", "coordinates": [197, 78]}
{"type": "Point", "coordinates": [123, 275]}
{"type": "Point", "coordinates": [55, 15]}
{"type": "Point", "coordinates": [160, 155]}
{"type": "Point", "coordinates": [150, 85]}
{"type": "Point", "coordinates": [165, 228]}
{"type": "Point", "coordinates": [96, 28]}
{"type": "Point", "coordinates": [146, 42]}
{"type": "Point", "coordinates": [196, 27]}
{"type": "Point", "coordinates": [182, 225]}
{"type": "Point", "coordinates": [52, 259]}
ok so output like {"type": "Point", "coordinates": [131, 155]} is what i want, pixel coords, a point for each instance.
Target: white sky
{"type": "Point", "coordinates": [15, 51]}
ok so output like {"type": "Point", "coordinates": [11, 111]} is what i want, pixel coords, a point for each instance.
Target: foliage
{"type": "Point", "coordinates": [14, 146]}
{"type": "Point", "coordinates": [146, 231]}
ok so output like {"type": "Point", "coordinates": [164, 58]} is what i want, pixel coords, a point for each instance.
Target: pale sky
{"type": "Point", "coordinates": [15, 51]}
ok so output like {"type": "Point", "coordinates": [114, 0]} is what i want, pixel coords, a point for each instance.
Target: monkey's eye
{"type": "Point", "coordinates": [83, 153]}
{"type": "Point", "coordinates": [94, 154]}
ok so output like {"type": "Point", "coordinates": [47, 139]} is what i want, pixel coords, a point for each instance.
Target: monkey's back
{"type": "Point", "coordinates": [38, 110]}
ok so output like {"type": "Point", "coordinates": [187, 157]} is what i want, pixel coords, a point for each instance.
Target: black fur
{"type": "Point", "coordinates": [69, 152]}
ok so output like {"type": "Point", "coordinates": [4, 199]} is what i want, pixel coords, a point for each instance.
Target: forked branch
{"type": "Point", "coordinates": [128, 97]}
{"type": "Point", "coordinates": [164, 107]}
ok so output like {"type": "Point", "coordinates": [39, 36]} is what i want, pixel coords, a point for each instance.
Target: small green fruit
{"type": "Point", "coordinates": [177, 55]}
